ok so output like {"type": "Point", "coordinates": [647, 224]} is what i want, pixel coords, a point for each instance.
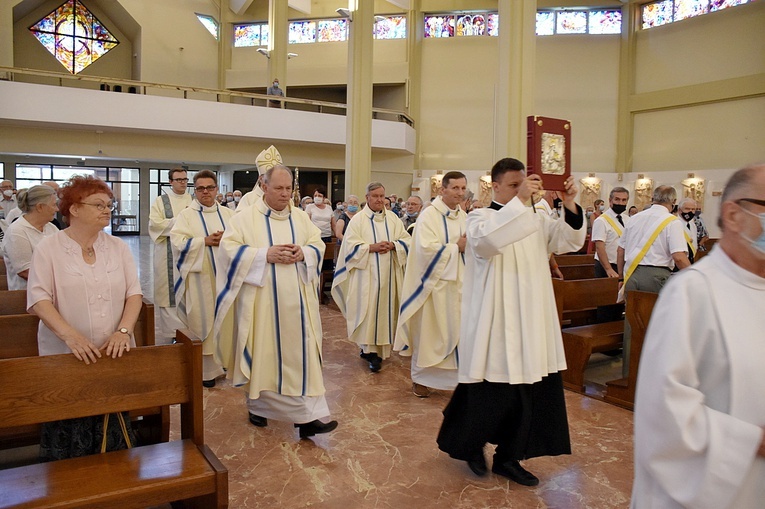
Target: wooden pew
{"type": "Point", "coordinates": [143, 476]}
{"type": "Point", "coordinates": [582, 341]}
{"type": "Point", "coordinates": [3, 282]}
{"type": "Point", "coordinates": [575, 259]}
{"type": "Point", "coordinates": [13, 302]}
{"type": "Point", "coordinates": [639, 308]}
{"type": "Point", "coordinates": [577, 271]}
{"type": "Point", "coordinates": [327, 270]}
{"type": "Point", "coordinates": [3, 270]}
{"type": "Point", "coordinates": [154, 423]}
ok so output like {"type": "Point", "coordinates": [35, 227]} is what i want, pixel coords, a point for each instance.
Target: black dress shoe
{"type": "Point", "coordinates": [316, 427]}
{"type": "Point", "coordinates": [478, 465]}
{"type": "Point", "coordinates": [256, 420]}
{"type": "Point", "coordinates": [515, 472]}
{"type": "Point", "coordinates": [208, 383]}
{"type": "Point", "coordinates": [375, 363]}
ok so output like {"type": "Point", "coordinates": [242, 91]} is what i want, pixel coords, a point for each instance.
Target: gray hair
{"type": "Point", "coordinates": [742, 180]}
{"type": "Point", "coordinates": [617, 190]}
{"type": "Point", "coordinates": [269, 173]}
{"type": "Point", "coordinates": [664, 195]}
{"type": "Point", "coordinates": [418, 198]}
{"type": "Point", "coordinates": [352, 196]}
{"type": "Point", "coordinates": [685, 200]}
{"type": "Point", "coordinates": [28, 199]}
{"type": "Point", "coordinates": [374, 185]}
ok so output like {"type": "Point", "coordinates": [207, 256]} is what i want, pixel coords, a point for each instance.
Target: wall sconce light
{"type": "Point", "coordinates": [291, 55]}
{"type": "Point", "coordinates": [640, 176]}
{"type": "Point", "coordinates": [264, 52]}
{"type": "Point", "coordinates": [378, 19]}
{"type": "Point", "coordinates": [591, 175]}
{"type": "Point", "coordinates": [345, 13]}
{"type": "Point", "coordinates": [691, 176]}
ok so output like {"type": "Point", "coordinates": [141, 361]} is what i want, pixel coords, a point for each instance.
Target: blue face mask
{"type": "Point", "coordinates": [412, 214]}
{"type": "Point", "coordinates": [353, 209]}
{"type": "Point", "coordinates": [759, 242]}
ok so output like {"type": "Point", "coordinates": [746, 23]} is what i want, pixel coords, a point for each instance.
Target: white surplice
{"type": "Point", "coordinates": [250, 198]}
{"type": "Point", "coordinates": [195, 268]}
{"type": "Point", "coordinates": [277, 328]}
{"type": "Point", "coordinates": [510, 331]}
{"type": "Point", "coordinates": [699, 407]}
{"type": "Point", "coordinates": [367, 286]}
{"type": "Point", "coordinates": [429, 319]}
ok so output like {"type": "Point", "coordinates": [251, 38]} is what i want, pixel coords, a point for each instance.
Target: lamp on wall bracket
{"type": "Point", "coordinates": [691, 175]}
{"type": "Point", "coordinates": [345, 13]}
{"type": "Point", "coordinates": [264, 52]}
{"type": "Point", "coordinates": [291, 55]}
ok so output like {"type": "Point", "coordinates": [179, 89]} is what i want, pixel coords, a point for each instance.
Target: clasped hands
{"type": "Point", "coordinates": [285, 253]}
{"type": "Point", "coordinates": [382, 247]}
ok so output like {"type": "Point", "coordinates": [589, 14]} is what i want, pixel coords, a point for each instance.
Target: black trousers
{"type": "Point", "coordinates": [607, 313]}
{"type": "Point", "coordinates": [523, 420]}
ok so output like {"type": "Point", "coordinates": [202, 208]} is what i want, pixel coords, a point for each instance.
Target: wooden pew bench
{"type": "Point", "coordinates": [151, 424]}
{"type": "Point", "coordinates": [143, 476]}
{"type": "Point", "coordinates": [577, 271]}
{"type": "Point", "coordinates": [640, 305]}
{"type": "Point", "coordinates": [581, 342]}
{"type": "Point", "coordinates": [575, 259]}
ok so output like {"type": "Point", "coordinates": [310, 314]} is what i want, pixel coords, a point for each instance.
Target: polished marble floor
{"type": "Point", "coordinates": [384, 454]}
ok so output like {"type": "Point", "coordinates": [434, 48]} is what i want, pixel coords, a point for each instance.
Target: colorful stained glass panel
{"type": "Point", "coordinates": [657, 14]}
{"type": "Point", "coordinates": [569, 22]}
{"type": "Point", "coordinates": [210, 24]}
{"type": "Point", "coordinates": [74, 36]}
{"type": "Point", "coordinates": [246, 36]}
{"type": "Point", "coordinates": [265, 30]}
{"type": "Point", "coordinates": [492, 21]}
{"type": "Point", "coordinates": [716, 5]}
{"type": "Point", "coordinates": [302, 32]}
{"type": "Point", "coordinates": [439, 26]}
{"type": "Point", "coordinates": [605, 22]}
{"type": "Point", "coordinates": [332, 30]}
{"type": "Point", "coordinates": [545, 23]}
{"type": "Point", "coordinates": [690, 8]}
{"type": "Point", "coordinates": [471, 24]}
{"type": "Point", "coordinates": [392, 27]}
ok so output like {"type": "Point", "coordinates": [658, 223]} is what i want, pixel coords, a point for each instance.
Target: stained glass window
{"type": "Point", "coordinates": [74, 36]}
{"type": "Point", "coordinates": [657, 13]}
{"type": "Point", "coordinates": [690, 8]}
{"type": "Point", "coordinates": [493, 24]}
{"type": "Point", "coordinates": [210, 24]}
{"type": "Point", "coordinates": [716, 5]}
{"type": "Point", "coordinates": [439, 26]}
{"type": "Point", "coordinates": [391, 27]}
{"type": "Point", "coordinates": [471, 24]}
{"type": "Point", "coordinates": [329, 30]}
{"type": "Point", "coordinates": [246, 35]}
{"type": "Point", "coordinates": [265, 30]}
{"type": "Point", "coordinates": [302, 32]}
{"type": "Point", "coordinates": [571, 22]}
{"type": "Point", "coordinates": [545, 23]}
{"type": "Point", "coordinates": [605, 22]}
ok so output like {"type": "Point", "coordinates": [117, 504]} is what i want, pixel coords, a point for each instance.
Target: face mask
{"type": "Point", "coordinates": [317, 200]}
{"type": "Point", "coordinates": [8, 193]}
{"type": "Point", "coordinates": [602, 208]}
{"type": "Point", "coordinates": [687, 215]}
{"type": "Point", "coordinates": [697, 213]}
{"type": "Point", "coordinates": [556, 203]}
{"type": "Point", "coordinates": [340, 207]}
{"type": "Point", "coordinates": [619, 209]}
{"type": "Point", "coordinates": [229, 198]}
{"type": "Point", "coordinates": [412, 214]}
{"type": "Point", "coordinates": [674, 209]}
{"type": "Point", "coordinates": [353, 209]}
{"type": "Point", "coordinates": [237, 198]}
{"type": "Point", "coordinates": [759, 242]}
{"type": "Point", "coordinates": [276, 84]}
{"type": "Point", "coordinates": [588, 214]}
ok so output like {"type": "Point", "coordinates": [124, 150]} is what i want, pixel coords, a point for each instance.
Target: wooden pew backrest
{"type": "Point", "coordinates": [581, 294]}
{"type": "Point", "coordinates": [13, 302]}
{"type": "Point", "coordinates": [575, 259]}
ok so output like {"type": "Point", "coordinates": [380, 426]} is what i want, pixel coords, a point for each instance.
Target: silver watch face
{"type": "Point", "coordinates": [123, 330]}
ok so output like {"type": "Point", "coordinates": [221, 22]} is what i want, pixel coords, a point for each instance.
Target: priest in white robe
{"type": "Point", "coordinates": [270, 260]}
{"type": "Point", "coordinates": [195, 239]}
{"type": "Point", "coordinates": [162, 216]}
{"type": "Point", "coordinates": [429, 319]}
{"type": "Point", "coordinates": [266, 160]}
{"type": "Point", "coordinates": [699, 408]}
{"type": "Point", "coordinates": [510, 391]}
{"type": "Point", "coordinates": [369, 275]}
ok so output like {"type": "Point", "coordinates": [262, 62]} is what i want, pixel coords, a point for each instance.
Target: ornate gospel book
{"type": "Point", "coordinates": [549, 150]}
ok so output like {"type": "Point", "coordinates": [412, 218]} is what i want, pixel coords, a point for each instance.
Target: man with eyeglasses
{"type": "Point", "coordinates": [162, 216]}
{"type": "Point", "coordinates": [699, 410]}
{"type": "Point", "coordinates": [195, 238]}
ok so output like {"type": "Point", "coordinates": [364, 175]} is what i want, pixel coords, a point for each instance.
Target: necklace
{"type": "Point", "coordinates": [89, 251]}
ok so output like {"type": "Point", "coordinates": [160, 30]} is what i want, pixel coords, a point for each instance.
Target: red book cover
{"type": "Point", "coordinates": [549, 151]}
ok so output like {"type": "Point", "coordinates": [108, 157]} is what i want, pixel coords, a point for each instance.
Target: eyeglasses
{"type": "Point", "coordinates": [752, 200]}
{"type": "Point", "coordinates": [100, 206]}
{"type": "Point", "coordinates": [209, 189]}
{"type": "Point", "coordinates": [183, 180]}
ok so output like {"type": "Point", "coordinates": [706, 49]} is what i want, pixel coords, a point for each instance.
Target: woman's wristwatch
{"type": "Point", "coordinates": [123, 330]}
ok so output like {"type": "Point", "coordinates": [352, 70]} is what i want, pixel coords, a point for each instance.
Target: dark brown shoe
{"type": "Point", "coordinates": [421, 391]}
{"type": "Point", "coordinates": [316, 427]}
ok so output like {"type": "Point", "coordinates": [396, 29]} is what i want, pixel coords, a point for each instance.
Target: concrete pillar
{"type": "Point", "coordinates": [278, 44]}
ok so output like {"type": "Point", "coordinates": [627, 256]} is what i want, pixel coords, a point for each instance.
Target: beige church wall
{"type": "Point", "coordinates": [577, 79]}
{"type": "Point", "coordinates": [29, 53]}
{"type": "Point", "coordinates": [716, 46]}
{"type": "Point", "coordinates": [720, 135]}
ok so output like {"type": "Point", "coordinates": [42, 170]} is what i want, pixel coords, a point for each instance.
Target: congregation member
{"type": "Point", "coordinates": [321, 215]}
{"type": "Point", "coordinates": [162, 216]}
{"type": "Point", "coordinates": [510, 389]}
{"type": "Point", "coordinates": [84, 287]}
{"type": "Point", "coordinates": [702, 234]}
{"type": "Point", "coordinates": [651, 245]}
{"type": "Point", "coordinates": [270, 258]}
{"type": "Point", "coordinates": [686, 211]}
{"type": "Point", "coordinates": [699, 411]}
{"type": "Point", "coordinates": [633, 210]}
{"type": "Point", "coordinates": [411, 212]}
{"type": "Point", "coordinates": [606, 232]}
{"type": "Point", "coordinates": [220, 199]}
{"type": "Point", "coordinates": [341, 225]}
{"type": "Point", "coordinates": [236, 197]}
{"type": "Point", "coordinates": [267, 159]}
{"type": "Point", "coordinates": [38, 207]}
{"type": "Point", "coordinates": [429, 319]}
{"type": "Point", "coordinates": [369, 276]}
{"type": "Point", "coordinates": [7, 204]}
{"type": "Point", "coordinates": [195, 238]}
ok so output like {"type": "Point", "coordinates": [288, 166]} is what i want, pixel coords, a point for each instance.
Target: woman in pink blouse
{"type": "Point", "coordinates": [84, 287]}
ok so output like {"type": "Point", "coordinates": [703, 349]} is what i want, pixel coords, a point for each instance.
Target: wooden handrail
{"type": "Point", "coordinates": [12, 72]}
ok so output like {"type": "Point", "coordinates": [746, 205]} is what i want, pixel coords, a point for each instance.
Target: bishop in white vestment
{"type": "Point", "coordinates": [429, 320]}
{"type": "Point", "coordinates": [699, 407]}
{"type": "Point", "coordinates": [267, 159]}
{"type": "Point", "coordinates": [195, 239]}
{"type": "Point", "coordinates": [511, 352]}
{"type": "Point", "coordinates": [369, 275]}
{"type": "Point", "coordinates": [161, 220]}
{"type": "Point", "coordinates": [270, 260]}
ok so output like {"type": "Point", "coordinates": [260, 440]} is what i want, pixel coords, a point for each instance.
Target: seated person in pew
{"type": "Point", "coordinates": [38, 206]}
{"type": "Point", "coordinates": [699, 410]}
{"type": "Point", "coordinates": [84, 287]}
{"type": "Point", "coordinates": [607, 229]}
